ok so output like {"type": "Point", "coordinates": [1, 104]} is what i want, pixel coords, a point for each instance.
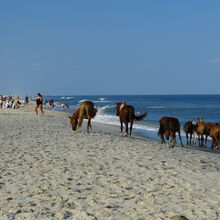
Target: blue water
{"type": "Point", "coordinates": [184, 107]}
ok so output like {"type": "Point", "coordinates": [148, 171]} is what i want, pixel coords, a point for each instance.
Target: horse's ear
{"type": "Point", "coordinates": [69, 117]}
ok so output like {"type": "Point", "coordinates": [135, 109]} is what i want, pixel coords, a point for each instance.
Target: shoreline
{"type": "Point", "coordinates": [50, 172]}
{"type": "Point", "coordinates": [141, 133]}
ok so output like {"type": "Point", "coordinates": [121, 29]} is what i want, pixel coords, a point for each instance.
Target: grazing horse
{"type": "Point", "coordinates": [126, 115]}
{"type": "Point", "coordinates": [189, 128]}
{"type": "Point", "coordinates": [168, 127]}
{"type": "Point", "coordinates": [86, 111]}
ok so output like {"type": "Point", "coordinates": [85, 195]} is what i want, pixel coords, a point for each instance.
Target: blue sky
{"type": "Point", "coordinates": [110, 47]}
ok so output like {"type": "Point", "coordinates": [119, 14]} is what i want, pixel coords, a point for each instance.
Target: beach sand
{"type": "Point", "coordinates": [49, 171]}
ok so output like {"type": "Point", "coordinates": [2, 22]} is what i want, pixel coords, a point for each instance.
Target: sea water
{"type": "Point", "coordinates": [183, 107]}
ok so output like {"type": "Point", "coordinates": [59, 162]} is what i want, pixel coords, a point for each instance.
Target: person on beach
{"type": "Point", "coordinates": [1, 101]}
{"type": "Point", "coordinates": [39, 103]}
{"type": "Point", "coordinates": [51, 103]}
{"type": "Point", "coordinates": [26, 100]}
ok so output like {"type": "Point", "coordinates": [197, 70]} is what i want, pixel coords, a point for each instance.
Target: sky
{"type": "Point", "coordinates": [117, 47]}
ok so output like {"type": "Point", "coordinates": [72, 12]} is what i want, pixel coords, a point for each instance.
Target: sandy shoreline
{"type": "Point", "coordinates": [50, 172]}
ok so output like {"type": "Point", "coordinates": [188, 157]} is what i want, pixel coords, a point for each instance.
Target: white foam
{"type": "Point", "coordinates": [83, 100]}
{"type": "Point", "coordinates": [153, 107]}
{"type": "Point", "coordinates": [70, 97]}
{"type": "Point", "coordinates": [104, 101]}
{"type": "Point", "coordinates": [95, 101]}
{"type": "Point", "coordinates": [114, 120]}
{"type": "Point", "coordinates": [106, 107]}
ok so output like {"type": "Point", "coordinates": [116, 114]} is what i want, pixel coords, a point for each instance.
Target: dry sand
{"type": "Point", "coordinates": [50, 172]}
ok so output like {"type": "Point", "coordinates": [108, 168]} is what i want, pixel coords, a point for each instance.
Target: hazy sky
{"type": "Point", "coordinates": [109, 47]}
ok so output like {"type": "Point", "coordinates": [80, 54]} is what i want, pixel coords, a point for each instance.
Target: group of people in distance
{"type": "Point", "coordinates": [9, 102]}
{"type": "Point", "coordinates": [15, 102]}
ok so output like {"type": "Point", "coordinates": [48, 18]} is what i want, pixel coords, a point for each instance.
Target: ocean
{"type": "Point", "coordinates": [184, 107]}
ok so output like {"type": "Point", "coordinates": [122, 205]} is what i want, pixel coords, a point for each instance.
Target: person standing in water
{"type": "Point", "coordinates": [39, 103]}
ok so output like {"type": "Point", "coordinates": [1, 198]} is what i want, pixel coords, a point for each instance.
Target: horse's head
{"type": "Point", "coordinates": [200, 120]}
{"type": "Point", "coordinates": [73, 122]}
{"type": "Point", "coordinates": [167, 134]}
{"type": "Point", "coordinates": [119, 106]}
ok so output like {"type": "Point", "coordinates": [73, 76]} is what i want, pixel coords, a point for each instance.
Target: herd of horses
{"type": "Point", "coordinates": [169, 126]}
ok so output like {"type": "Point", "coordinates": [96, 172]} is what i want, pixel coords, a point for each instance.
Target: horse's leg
{"type": "Point", "coordinates": [162, 140]}
{"type": "Point", "coordinates": [202, 140]}
{"type": "Point", "coordinates": [88, 124]}
{"type": "Point", "coordinates": [199, 139]}
{"type": "Point", "coordinates": [190, 139]}
{"type": "Point", "coordinates": [131, 125]}
{"type": "Point", "coordinates": [206, 138]}
{"type": "Point", "coordinates": [80, 120]}
{"type": "Point", "coordinates": [194, 138]}
{"type": "Point", "coordinates": [179, 138]}
{"type": "Point", "coordinates": [214, 144]}
{"type": "Point", "coordinates": [126, 125]}
{"type": "Point", "coordinates": [121, 125]}
{"type": "Point", "coordinates": [79, 124]}
{"type": "Point", "coordinates": [187, 141]}
{"type": "Point", "coordinates": [173, 138]}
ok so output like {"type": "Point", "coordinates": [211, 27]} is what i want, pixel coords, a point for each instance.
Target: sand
{"type": "Point", "coordinates": [49, 171]}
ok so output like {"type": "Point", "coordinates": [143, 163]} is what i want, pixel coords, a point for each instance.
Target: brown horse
{"type": "Point", "coordinates": [214, 132]}
{"type": "Point", "coordinates": [126, 115]}
{"type": "Point", "coordinates": [86, 111]}
{"type": "Point", "coordinates": [189, 128]}
{"type": "Point", "coordinates": [168, 128]}
{"type": "Point", "coordinates": [200, 130]}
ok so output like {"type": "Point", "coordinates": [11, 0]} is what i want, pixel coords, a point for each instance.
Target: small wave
{"type": "Point", "coordinates": [107, 110]}
{"type": "Point", "coordinates": [106, 107]}
{"type": "Point", "coordinates": [83, 100]}
{"type": "Point", "coordinates": [101, 99]}
{"type": "Point", "coordinates": [95, 101]}
{"type": "Point", "coordinates": [114, 120]}
{"type": "Point", "coordinates": [70, 97]}
{"type": "Point", "coordinates": [63, 97]}
{"type": "Point", "coordinates": [155, 107]}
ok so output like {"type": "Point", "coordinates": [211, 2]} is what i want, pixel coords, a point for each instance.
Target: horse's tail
{"type": "Point", "coordinates": [94, 111]}
{"type": "Point", "coordinates": [140, 117]}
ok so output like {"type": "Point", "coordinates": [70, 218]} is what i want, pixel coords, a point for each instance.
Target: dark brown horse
{"type": "Point", "coordinates": [189, 128]}
{"type": "Point", "coordinates": [168, 128]}
{"type": "Point", "coordinates": [126, 115]}
{"type": "Point", "coordinates": [86, 111]}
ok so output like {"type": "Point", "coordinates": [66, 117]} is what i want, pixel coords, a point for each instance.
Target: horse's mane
{"type": "Point", "coordinates": [76, 113]}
